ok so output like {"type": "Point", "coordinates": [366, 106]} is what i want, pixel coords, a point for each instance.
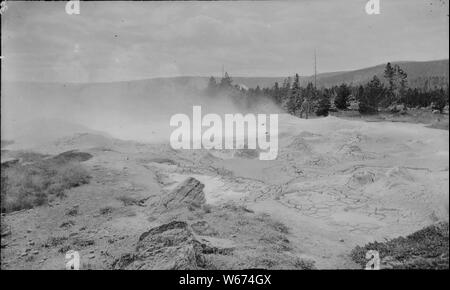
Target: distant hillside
{"type": "Point", "coordinates": [436, 72]}
{"type": "Point", "coordinates": [418, 73]}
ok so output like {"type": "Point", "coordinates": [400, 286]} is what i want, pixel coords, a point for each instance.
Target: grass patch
{"type": "Point", "coordinates": [37, 180]}
{"type": "Point", "coordinates": [427, 248]}
{"type": "Point", "coordinates": [56, 241]}
{"type": "Point", "coordinates": [106, 210]}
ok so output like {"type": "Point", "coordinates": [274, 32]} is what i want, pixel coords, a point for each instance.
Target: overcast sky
{"type": "Point", "coordinates": [114, 41]}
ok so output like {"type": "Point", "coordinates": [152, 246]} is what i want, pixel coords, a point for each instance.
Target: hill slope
{"type": "Point", "coordinates": [417, 73]}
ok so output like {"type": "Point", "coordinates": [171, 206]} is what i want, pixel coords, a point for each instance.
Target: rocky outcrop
{"type": "Point", "coordinates": [188, 193]}
{"type": "Point", "coordinates": [171, 246]}
{"type": "Point", "coordinates": [8, 162]}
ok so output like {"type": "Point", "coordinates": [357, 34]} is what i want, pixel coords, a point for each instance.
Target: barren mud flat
{"type": "Point", "coordinates": [335, 184]}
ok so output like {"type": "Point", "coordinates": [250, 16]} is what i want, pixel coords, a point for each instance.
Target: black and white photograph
{"type": "Point", "coordinates": [257, 136]}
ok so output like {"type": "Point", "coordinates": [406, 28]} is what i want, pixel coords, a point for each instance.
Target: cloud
{"type": "Point", "coordinates": [111, 41]}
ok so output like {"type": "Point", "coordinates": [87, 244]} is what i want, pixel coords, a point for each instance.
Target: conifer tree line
{"type": "Point", "coordinates": [391, 93]}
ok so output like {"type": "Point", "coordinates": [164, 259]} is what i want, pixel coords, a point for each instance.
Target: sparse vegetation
{"type": "Point", "coordinates": [38, 180]}
{"type": "Point", "coordinates": [54, 241]}
{"type": "Point", "coordinates": [427, 248]}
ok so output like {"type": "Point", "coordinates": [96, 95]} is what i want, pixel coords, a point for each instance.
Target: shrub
{"type": "Point", "coordinates": [427, 248]}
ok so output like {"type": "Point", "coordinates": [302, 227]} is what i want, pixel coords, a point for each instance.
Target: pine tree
{"type": "Point", "coordinates": [389, 75]}
{"type": "Point", "coordinates": [439, 100]}
{"type": "Point", "coordinates": [211, 89]}
{"type": "Point", "coordinates": [226, 82]}
{"type": "Point", "coordinates": [370, 97]}
{"type": "Point", "coordinates": [309, 92]}
{"type": "Point", "coordinates": [401, 83]}
{"type": "Point", "coordinates": [296, 93]}
{"type": "Point", "coordinates": [287, 86]}
{"type": "Point", "coordinates": [285, 93]}
{"type": "Point", "coordinates": [276, 93]}
{"type": "Point", "coordinates": [342, 97]}
{"type": "Point", "coordinates": [294, 101]}
{"type": "Point", "coordinates": [324, 104]}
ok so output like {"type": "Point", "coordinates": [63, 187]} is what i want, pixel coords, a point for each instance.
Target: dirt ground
{"type": "Point", "coordinates": [336, 183]}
